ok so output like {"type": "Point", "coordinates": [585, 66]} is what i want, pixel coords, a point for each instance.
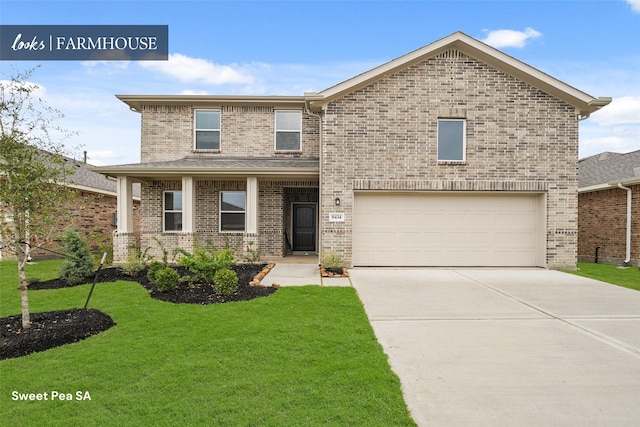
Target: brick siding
{"type": "Point", "coordinates": [92, 215]}
{"type": "Point", "coordinates": [602, 221]}
{"type": "Point", "coordinates": [246, 131]}
{"type": "Point", "coordinates": [387, 133]}
{"type": "Point", "coordinates": [273, 214]}
{"type": "Point", "coordinates": [384, 137]}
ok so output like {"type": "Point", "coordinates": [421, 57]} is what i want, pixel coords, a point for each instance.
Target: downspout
{"type": "Point", "coordinates": [628, 242]}
{"type": "Point", "coordinates": [307, 108]}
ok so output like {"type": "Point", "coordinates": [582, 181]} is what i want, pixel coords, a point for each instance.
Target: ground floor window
{"type": "Point", "coordinates": [172, 211]}
{"type": "Point", "coordinates": [232, 210]}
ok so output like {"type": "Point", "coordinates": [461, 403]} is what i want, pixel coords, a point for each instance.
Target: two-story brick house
{"type": "Point", "coordinates": [455, 154]}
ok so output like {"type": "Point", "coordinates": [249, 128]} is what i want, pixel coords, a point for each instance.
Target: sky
{"type": "Point", "coordinates": [246, 47]}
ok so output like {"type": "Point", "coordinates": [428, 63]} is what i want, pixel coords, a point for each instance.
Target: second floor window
{"type": "Point", "coordinates": [451, 140]}
{"type": "Point", "coordinates": [288, 130]}
{"type": "Point", "coordinates": [207, 130]}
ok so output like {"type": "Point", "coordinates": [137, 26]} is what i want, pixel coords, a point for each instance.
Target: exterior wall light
{"type": "Point", "coordinates": [337, 201]}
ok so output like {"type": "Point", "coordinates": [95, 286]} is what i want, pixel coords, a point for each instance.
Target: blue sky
{"type": "Point", "coordinates": [289, 47]}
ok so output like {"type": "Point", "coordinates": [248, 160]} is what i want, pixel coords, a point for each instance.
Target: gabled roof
{"type": "Point", "coordinates": [607, 169]}
{"type": "Point", "coordinates": [585, 103]}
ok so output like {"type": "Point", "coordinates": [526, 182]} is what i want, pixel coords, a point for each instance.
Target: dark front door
{"type": "Point", "coordinates": [304, 227]}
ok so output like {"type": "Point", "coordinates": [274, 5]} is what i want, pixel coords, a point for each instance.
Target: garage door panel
{"type": "Point", "coordinates": [431, 229]}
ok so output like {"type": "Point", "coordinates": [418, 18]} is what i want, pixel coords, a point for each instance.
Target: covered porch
{"type": "Point", "coordinates": [264, 206]}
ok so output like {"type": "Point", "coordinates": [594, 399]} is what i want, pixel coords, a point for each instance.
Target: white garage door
{"type": "Point", "coordinates": [448, 229]}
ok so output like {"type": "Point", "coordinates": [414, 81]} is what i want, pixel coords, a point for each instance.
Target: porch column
{"type": "Point", "coordinates": [252, 205]}
{"type": "Point", "coordinates": [188, 204]}
{"type": "Point", "coordinates": [124, 237]}
{"type": "Point", "coordinates": [125, 204]}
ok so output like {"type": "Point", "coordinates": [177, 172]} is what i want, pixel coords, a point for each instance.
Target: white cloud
{"type": "Point", "coordinates": [635, 5]}
{"type": "Point", "coordinates": [623, 110]}
{"type": "Point", "coordinates": [510, 38]}
{"type": "Point", "coordinates": [197, 70]}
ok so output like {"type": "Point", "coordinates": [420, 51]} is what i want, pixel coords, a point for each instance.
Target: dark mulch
{"type": "Point", "coordinates": [56, 328]}
{"type": "Point", "coordinates": [49, 330]}
{"type": "Point", "coordinates": [183, 292]}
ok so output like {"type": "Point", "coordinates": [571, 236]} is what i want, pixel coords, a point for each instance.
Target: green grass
{"type": "Point", "coordinates": [628, 277]}
{"type": "Point", "coordinates": [302, 356]}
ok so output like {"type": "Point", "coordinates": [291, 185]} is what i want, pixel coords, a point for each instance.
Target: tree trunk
{"type": "Point", "coordinates": [24, 297]}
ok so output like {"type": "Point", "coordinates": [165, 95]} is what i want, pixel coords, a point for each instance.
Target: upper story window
{"type": "Point", "coordinates": [288, 131]}
{"type": "Point", "coordinates": [172, 211]}
{"type": "Point", "coordinates": [232, 210]}
{"type": "Point", "coordinates": [451, 140]}
{"type": "Point", "coordinates": [207, 130]}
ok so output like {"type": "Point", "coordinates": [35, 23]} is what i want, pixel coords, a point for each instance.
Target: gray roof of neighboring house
{"type": "Point", "coordinates": [609, 168]}
{"type": "Point", "coordinates": [93, 181]}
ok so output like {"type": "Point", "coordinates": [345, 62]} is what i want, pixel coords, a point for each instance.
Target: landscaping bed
{"type": "Point", "coordinates": [56, 328]}
{"type": "Point", "coordinates": [183, 292]}
{"type": "Point", "coordinates": [49, 330]}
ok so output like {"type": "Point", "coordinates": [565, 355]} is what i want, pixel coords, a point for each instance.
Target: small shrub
{"type": "Point", "coordinates": [154, 267]}
{"type": "Point", "coordinates": [136, 262]}
{"type": "Point", "coordinates": [103, 246]}
{"type": "Point", "coordinates": [252, 254]}
{"type": "Point", "coordinates": [205, 263]}
{"type": "Point", "coordinates": [332, 260]}
{"type": "Point", "coordinates": [166, 278]}
{"type": "Point", "coordinates": [225, 281]}
{"type": "Point", "coordinates": [78, 263]}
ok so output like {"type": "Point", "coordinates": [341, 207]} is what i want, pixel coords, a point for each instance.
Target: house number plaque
{"type": "Point", "coordinates": [336, 217]}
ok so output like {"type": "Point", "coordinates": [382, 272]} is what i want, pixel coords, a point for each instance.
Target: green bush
{"type": "Point", "coordinates": [205, 263]}
{"type": "Point", "coordinates": [136, 262]}
{"type": "Point", "coordinates": [332, 260]}
{"type": "Point", "coordinates": [252, 254]}
{"type": "Point", "coordinates": [225, 281]}
{"type": "Point", "coordinates": [154, 267]}
{"type": "Point", "coordinates": [166, 279]}
{"type": "Point", "coordinates": [78, 264]}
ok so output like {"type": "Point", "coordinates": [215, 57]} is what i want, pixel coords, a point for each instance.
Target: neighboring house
{"type": "Point", "coordinates": [455, 154]}
{"type": "Point", "coordinates": [92, 212]}
{"type": "Point", "coordinates": [609, 208]}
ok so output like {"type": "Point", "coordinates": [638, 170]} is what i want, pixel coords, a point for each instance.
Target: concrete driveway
{"type": "Point", "coordinates": [508, 347]}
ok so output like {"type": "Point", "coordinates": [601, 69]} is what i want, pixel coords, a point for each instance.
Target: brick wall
{"type": "Point", "coordinates": [602, 221]}
{"type": "Point", "coordinates": [272, 214]}
{"type": "Point", "coordinates": [246, 131]}
{"type": "Point", "coordinates": [92, 215]}
{"type": "Point", "coordinates": [387, 132]}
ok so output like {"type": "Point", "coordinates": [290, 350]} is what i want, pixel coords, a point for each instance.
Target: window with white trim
{"type": "Point", "coordinates": [206, 130]}
{"type": "Point", "coordinates": [172, 211]}
{"type": "Point", "coordinates": [233, 206]}
{"type": "Point", "coordinates": [288, 131]}
{"type": "Point", "coordinates": [451, 140]}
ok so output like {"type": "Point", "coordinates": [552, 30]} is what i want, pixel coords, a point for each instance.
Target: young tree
{"type": "Point", "coordinates": [32, 174]}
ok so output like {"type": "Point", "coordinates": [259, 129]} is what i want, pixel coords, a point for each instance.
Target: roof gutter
{"type": "Point", "coordinates": [628, 240]}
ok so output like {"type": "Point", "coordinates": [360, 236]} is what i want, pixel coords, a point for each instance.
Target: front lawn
{"type": "Point", "coordinates": [302, 356]}
{"type": "Point", "coordinates": [627, 277]}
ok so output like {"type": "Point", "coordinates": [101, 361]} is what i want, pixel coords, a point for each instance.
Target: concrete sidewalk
{"type": "Point", "coordinates": [510, 347]}
{"type": "Point", "coordinates": [286, 274]}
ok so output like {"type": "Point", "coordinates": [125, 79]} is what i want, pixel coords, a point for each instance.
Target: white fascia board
{"type": "Point", "coordinates": [597, 187]}
{"type": "Point", "coordinates": [97, 191]}
{"type": "Point", "coordinates": [610, 185]}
